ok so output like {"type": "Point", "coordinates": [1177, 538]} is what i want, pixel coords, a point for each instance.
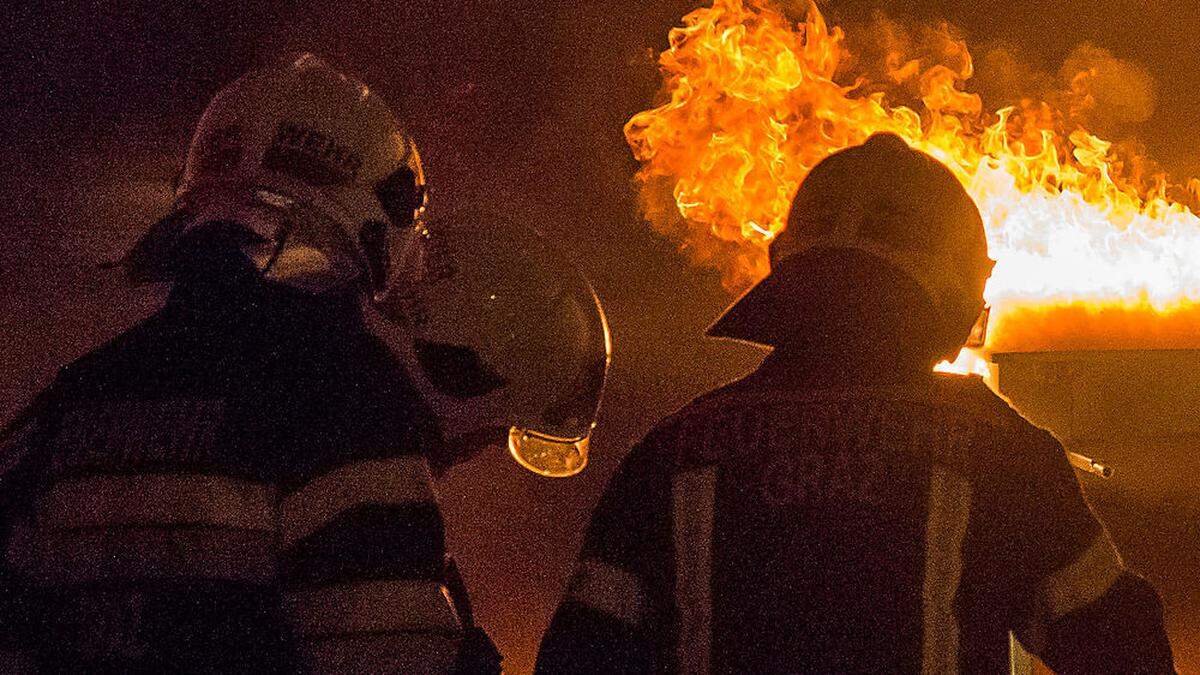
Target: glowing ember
{"type": "Point", "coordinates": [1091, 253]}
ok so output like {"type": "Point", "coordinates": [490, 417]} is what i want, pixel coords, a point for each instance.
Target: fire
{"type": "Point", "coordinates": [1091, 251]}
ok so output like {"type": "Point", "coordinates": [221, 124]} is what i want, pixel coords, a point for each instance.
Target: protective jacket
{"type": "Point", "coordinates": [240, 483]}
{"type": "Point", "coordinates": [826, 518]}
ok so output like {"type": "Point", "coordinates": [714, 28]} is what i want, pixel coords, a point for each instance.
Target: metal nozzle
{"type": "Point", "coordinates": [1084, 463]}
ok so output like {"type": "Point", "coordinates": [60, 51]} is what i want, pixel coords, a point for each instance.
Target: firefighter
{"type": "Point", "coordinates": [843, 508]}
{"type": "Point", "coordinates": [243, 481]}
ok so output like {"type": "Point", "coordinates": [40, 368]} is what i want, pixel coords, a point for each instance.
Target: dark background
{"type": "Point", "coordinates": [518, 107]}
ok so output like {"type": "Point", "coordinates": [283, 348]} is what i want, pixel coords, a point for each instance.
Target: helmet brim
{"type": "Point", "coordinates": [759, 316]}
{"type": "Point", "coordinates": [772, 311]}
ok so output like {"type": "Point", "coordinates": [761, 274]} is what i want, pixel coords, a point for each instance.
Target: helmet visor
{"type": "Point", "coordinates": [547, 455]}
{"type": "Point", "coordinates": [508, 334]}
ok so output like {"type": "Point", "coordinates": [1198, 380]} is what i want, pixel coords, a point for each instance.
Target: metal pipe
{"type": "Point", "coordinates": [1089, 465]}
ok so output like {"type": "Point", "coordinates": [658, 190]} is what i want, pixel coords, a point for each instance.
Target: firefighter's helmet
{"type": "Point", "coordinates": [895, 204]}
{"type": "Point", "coordinates": [507, 340]}
{"type": "Point", "coordinates": [325, 184]}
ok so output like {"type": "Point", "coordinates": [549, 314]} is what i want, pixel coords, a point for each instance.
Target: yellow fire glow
{"type": "Point", "coordinates": [1091, 254]}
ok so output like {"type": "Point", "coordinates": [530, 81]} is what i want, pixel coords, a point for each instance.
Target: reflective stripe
{"type": "Point", "coordinates": [1081, 582]}
{"type": "Point", "coordinates": [379, 481]}
{"type": "Point", "coordinates": [946, 528]}
{"type": "Point", "coordinates": [373, 607]}
{"type": "Point", "coordinates": [1078, 584]}
{"type": "Point", "coordinates": [159, 499]}
{"type": "Point", "coordinates": [139, 553]}
{"type": "Point", "coordinates": [608, 589]}
{"type": "Point", "coordinates": [1019, 660]}
{"type": "Point", "coordinates": [693, 495]}
{"type": "Point", "coordinates": [424, 653]}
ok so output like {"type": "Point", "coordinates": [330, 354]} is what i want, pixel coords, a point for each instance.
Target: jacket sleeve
{"type": "Point", "coordinates": [363, 570]}
{"type": "Point", "coordinates": [21, 444]}
{"type": "Point", "coordinates": [1083, 612]}
{"type": "Point", "coordinates": [618, 613]}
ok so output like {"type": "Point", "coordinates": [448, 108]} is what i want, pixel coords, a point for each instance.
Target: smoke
{"type": "Point", "coordinates": [1005, 77]}
{"type": "Point", "coordinates": [1106, 93]}
{"type": "Point", "coordinates": [898, 58]}
{"type": "Point", "coordinates": [1092, 89]}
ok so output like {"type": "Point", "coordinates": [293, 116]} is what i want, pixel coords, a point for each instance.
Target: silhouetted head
{"type": "Point", "coordinates": [884, 251]}
{"type": "Point", "coordinates": [307, 173]}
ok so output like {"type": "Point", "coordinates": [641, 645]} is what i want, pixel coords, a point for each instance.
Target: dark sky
{"type": "Point", "coordinates": [518, 107]}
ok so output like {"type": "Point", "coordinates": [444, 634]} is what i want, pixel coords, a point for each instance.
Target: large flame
{"type": "Point", "coordinates": [1091, 253]}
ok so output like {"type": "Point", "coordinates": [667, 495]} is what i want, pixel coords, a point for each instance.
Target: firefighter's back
{"type": "Point", "coordinates": [810, 521]}
{"type": "Point", "coordinates": [145, 515]}
{"type": "Point", "coordinates": [898, 527]}
{"type": "Point", "coordinates": [854, 528]}
{"type": "Point", "coordinates": [843, 509]}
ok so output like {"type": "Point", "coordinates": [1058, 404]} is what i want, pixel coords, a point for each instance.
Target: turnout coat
{"type": "Point", "coordinates": [241, 482]}
{"type": "Point", "coordinates": [817, 518]}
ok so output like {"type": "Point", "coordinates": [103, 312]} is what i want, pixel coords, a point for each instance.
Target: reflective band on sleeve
{"type": "Point", "coordinates": [610, 590]}
{"type": "Point", "coordinates": [65, 557]}
{"type": "Point", "coordinates": [373, 607]}
{"type": "Point", "coordinates": [1020, 662]}
{"type": "Point", "coordinates": [1081, 582]}
{"type": "Point", "coordinates": [693, 495]}
{"type": "Point", "coordinates": [158, 499]}
{"type": "Point", "coordinates": [946, 528]}
{"type": "Point", "coordinates": [379, 481]}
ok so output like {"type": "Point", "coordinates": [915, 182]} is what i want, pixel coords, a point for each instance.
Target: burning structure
{"type": "Point", "coordinates": [1095, 250]}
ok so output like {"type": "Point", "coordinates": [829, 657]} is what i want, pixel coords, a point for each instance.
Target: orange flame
{"type": "Point", "coordinates": [1091, 254]}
